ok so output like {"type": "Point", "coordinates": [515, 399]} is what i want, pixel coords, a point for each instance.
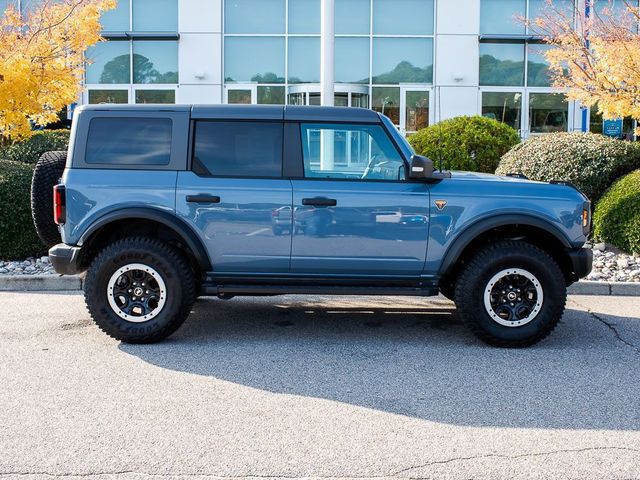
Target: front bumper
{"type": "Point", "coordinates": [65, 259]}
{"type": "Point", "coordinates": [581, 262]}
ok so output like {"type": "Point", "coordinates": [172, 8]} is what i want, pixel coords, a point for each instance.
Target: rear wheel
{"type": "Point", "coordinates": [511, 294]}
{"type": "Point", "coordinates": [46, 175]}
{"type": "Point", "coordinates": [139, 290]}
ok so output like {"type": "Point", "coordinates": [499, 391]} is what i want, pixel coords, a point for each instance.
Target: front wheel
{"type": "Point", "coordinates": [511, 294]}
{"type": "Point", "coordinates": [139, 290]}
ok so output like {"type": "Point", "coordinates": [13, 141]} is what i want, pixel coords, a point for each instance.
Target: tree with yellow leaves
{"type": "Point", "coordinates": [42, 60]}
{"type": "Point", "coordinates": [596, 56]}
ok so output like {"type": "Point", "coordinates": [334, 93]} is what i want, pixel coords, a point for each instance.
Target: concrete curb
{"type": "Point", "coordinates": [55, 283]}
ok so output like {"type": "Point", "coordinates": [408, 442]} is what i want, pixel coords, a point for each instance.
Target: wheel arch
{"type": "Point", "coordinates": [118, 223]}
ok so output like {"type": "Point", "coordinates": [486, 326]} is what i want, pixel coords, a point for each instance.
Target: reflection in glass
{"type": "Point", "coordinates": [352, 60]}
{"type": "Point", "coordinates": [360, 100]}
{"type": "Point", "coordinates": [110, 63]}
{"type": "Point", "coordinates": [304, 16]}
{"type": "Point", "coordinates": [239, 97]}
{"type": "Point", "coordinates": [502, 64]}
{"type": "Point", "coordinates": [254, 16]}
{"type": "Point", "coordinates": [341, 99]}
{"type": "Point", "coordinates": [271, 95]}
{"type": "Point", "coordinates": [254, 59]}
{"type": "Point", "coordinates": [352, 17]}
{"type": "Point", "coordinates": [155, 96]}
{"type": "Point", "coordinates": [108, 96]}
{"type": "Point", "coordinates": [506, 107]}
{"type": "Point", "coordinates": [548, 112]}
{"type": "Point", "coordinates": [155, 62]}
{"type": "Point", "coordinates": [304, 59]}
{"type": "Point", "coordinates": [403, 17]}
{"type": "Point", "coordinates": [155, 15]}
{"type": "Point", "coordinates": [116, 20]}
{"type": "Point", "coordinates": [386, 100]}
{"type": "Point", "coordinates": [537, 66]}
{"type": "Point", "coordinates": [402, 60]}
{"type": "Point", "coordinates": [540, 9]}
{"type": "Point", "coordinates": [501, 16]}
{"type": "Point", "coordinates": [416, 111]}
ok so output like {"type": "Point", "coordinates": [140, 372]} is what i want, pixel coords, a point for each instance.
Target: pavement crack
{"type": "Point", "coordinates": [509, 457]}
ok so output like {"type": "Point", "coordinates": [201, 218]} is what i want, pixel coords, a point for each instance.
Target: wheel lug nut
{"type": "Point", "coordinates": [147, 292]}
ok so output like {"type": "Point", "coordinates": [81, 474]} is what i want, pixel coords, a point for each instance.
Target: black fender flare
{"type": "Point", "coordinates": [471, 232]}
{"type": "Point", "coordinates": [184, 231]}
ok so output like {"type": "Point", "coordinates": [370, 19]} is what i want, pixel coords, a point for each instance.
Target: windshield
{"type": "Point", "coordinates": [402, 142]}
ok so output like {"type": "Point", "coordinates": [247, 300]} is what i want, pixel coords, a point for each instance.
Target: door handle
{"type": "Point", "coordinates": [202, 198]}
{"type": "Point", "coordinates": [319, 202]}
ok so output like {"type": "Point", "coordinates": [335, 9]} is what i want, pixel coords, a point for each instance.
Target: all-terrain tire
{"type": "Point", "coordinates": [46, 175]}
{"type": "Point", "coordinates": [173, 268]}
{"type": "Point", "coordinates": [475, 280]}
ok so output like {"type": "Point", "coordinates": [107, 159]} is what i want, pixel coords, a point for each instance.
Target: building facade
{"type": "Point", "coordinates": [417, 61]}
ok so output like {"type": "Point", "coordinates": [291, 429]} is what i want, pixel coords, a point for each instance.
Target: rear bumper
{"type": "Point", "coordinates": [65, 259]}
{"type": "Point", "coordinates": [581, 262]}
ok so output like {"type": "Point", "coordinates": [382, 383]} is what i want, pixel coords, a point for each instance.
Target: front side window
{"type": "Point", "coordinates": [355, 152]}
{"type": "Point", "coordinates": [238, 149]}
{"type": "Point", "coordinates": [129, 141]}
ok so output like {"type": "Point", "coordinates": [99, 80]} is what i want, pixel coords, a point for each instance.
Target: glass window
{"type": "Point", "coordinates": [502, 64]}
{"type": "Point", "coordinates": [416, 110]}
{"type": "Point", "coordinates": [352, 60]}
{"type": "Point", "coordinates": [109, 62]}
{"type": "Point", "coordinates": [155, 62]}
{"type": "Point", "coordinates": [267, 59]}
{"type": "Point", "coordinates": [155, 96]}
{"type": "Point", "coordinates": [242, 97]}
{"type": "Point", "coordinates": [386, 100]}
{"type": "Point", "coordinates": [108, 96]}
{"type": "Point", "coordinates": [304, 16]}
{"type": "Point", "coordinates": [540, 9]}
{"type": "Point", "coordinates": [304, 59]}
{"type": "Point", "coordinates": [358, 152]}
{"type": "Point", "coordinates": [129, 141]}
{"type": "Point", "coordinates": [402, 60]}
{"type": "Point", "coordinates": [155, 15]}
{"type": "Point", "coordinates": [117, 20]}
{"type": "Point", "coordinates": [506, 107]}
{"type": "Point", "coordinates": [4, 4]}
{"type": "Point", "coordinates": [238, 149]}
{"type": "Point", "coordinates": [352, 17]}
{"type": "Point", "coordinates": [548, 112]}
{"type": "Point", "coordinates": [501, 16]}
{"type": "Point", "coordinates": [403, 17]}
{"type": "Point", "coordinates": [537, 66]}
{"type": "Point", "coordinates": [271, 95]}
{"type": "Point", "coordinates": [254, 16]}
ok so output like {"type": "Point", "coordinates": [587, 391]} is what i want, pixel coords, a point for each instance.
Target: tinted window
{"type": "Point", "coordinates": [129, 141]}
{"type": "Point", "coordinates": [238, 149]}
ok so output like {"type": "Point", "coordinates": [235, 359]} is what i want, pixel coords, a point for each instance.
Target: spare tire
{"type": "Point", "coordinates": [45, 176]}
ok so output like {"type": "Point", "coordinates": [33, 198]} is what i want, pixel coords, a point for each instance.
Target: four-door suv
{"type": "Point", "coordinates": [161, 204]}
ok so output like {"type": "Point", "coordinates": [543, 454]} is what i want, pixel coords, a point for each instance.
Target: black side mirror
{"type": "Point", "coordinates": [422, 168]}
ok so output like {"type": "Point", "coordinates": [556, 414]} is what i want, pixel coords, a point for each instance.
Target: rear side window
{"type": "Point", "coordinates": [129, 141]}
{"type": "Point", "coordinates": [238, 149]}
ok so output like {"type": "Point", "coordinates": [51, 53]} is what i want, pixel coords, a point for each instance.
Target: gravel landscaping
{"type": "Point", "coordinates": [609, 265]}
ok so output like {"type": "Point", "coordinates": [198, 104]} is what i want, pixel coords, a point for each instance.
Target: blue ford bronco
{"type": "Point", "coordinates": [162, 204]}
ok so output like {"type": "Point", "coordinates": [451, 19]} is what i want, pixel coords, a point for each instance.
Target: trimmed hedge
{"type": "Point", "coordinates": [590, 161]}
{"type": "Point", "coordinates": [29, 151]}
{"type": "Point", "coordinates": [466, 143]}
{"type": "Point", "coordinates": [617, 216]}
{"type": "Point", "coordinates": [18, 238]}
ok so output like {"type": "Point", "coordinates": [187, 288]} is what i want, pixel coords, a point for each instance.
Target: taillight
{"type": "Point", "coordinates": [59, 205]}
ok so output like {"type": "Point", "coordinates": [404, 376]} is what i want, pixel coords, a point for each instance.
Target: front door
{"type": "Point", "coordinates": [354, 213]}
{"type": "Point", "coordinates": [235, 197]}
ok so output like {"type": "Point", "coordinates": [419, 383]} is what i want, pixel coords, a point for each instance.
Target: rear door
{"type": "Point", "coordinates": [234, 195]}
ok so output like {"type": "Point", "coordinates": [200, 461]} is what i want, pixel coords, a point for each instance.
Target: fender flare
{"type": "Point", "coordinates": [470, 233]}
{"type": "Point", "coordinates": [169, 220]}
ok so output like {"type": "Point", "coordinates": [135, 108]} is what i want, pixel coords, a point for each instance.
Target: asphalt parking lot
{"type": "Point", "coordinates": [317, 387]}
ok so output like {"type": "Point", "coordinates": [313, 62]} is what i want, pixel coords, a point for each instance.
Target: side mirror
{"type": "Point", "coordinates": [422, 168]}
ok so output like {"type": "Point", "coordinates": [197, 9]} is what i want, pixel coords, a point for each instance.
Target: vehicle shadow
{"type": "Point", "coordinates": [397, 356]}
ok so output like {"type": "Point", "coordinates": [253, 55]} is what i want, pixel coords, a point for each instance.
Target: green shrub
{"type": "Point", "coordinates": [617, 216]}
{"type": "Point", "coordinates": [18, 238]}
{"type": "Point", "coordinates": [29, 151]}
{"type": "Point", "coordinates": [466, 143]}
{"type": "Point", "coordinates": [590, 161]}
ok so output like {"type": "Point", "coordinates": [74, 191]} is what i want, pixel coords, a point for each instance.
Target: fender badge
{"type": "Point", "coordinates": [440, 204]}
